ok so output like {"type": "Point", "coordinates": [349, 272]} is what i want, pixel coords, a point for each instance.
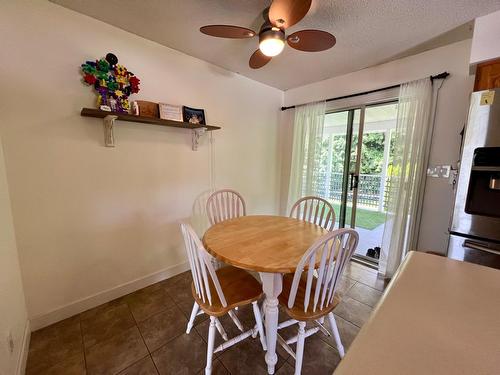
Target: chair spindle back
{"type": "Point", "coordinates": [202, 270]}
{"type": "Point", "coordinates": [224, 205]}
{"type": "Point", "coordinates": [315, 210]}
{"type": "Point", "coordinates": [333, 251]}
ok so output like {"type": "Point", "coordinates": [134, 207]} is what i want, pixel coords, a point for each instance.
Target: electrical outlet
{"type": "Point", "coordinates": [10, 342]}
{"type": "Point", "coordinates": [439, 171]}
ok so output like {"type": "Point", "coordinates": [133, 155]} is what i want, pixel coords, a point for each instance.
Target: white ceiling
{"type": "Point", "coordinates": [368, 32]}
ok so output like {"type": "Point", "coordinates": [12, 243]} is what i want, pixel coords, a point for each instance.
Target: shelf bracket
{"type": "Point", "coordinates": [195, 137]}
{"type": "Point", "coordinates": [109, 137]}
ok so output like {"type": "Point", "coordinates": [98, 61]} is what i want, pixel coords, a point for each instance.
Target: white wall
{"type": "Point", "coordinates": [486, 38]}
{"type": "Point", "coordinates": [88, 218]}
{"type": "Point", "coordinates": [12, 306]}
{"type": "Point", "coordinates": [450, 118]}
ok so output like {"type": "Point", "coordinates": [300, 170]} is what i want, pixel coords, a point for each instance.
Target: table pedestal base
{"type": "Point", "coordinates": [272, 284]}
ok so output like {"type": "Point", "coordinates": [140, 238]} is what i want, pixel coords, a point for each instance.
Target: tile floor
{"type": "Point", "coordinates": [144, 333]}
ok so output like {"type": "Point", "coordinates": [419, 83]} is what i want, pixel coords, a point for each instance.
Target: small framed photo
{"type": "Point", "coordinates": [193, 115]}
{"type": "Point", "coordinates": [170, 112]}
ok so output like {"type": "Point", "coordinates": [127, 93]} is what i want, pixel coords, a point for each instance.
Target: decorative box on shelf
{"type": "Point", "coordinates": [147, 109]}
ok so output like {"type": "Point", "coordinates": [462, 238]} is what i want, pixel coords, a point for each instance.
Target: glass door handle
{"type": "Point", "coordinates": [354, 181]}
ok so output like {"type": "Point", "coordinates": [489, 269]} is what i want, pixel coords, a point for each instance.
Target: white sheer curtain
{"type": "Point", "coordinates": [407, 180]}
{"type": "Point", "coordinates": [307, 137]}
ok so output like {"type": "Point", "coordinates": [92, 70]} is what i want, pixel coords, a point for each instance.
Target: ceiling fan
{"type": "Point", "coordinates": [277, 18]}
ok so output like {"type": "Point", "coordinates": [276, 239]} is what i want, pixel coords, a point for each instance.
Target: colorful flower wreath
{"type": "Point", "coordinates": [113, 82]}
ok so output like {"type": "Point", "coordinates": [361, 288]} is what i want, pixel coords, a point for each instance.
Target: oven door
{"type": "Point", "coordinates": [476, 251]}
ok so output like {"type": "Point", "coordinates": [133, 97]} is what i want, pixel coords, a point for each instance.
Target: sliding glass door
{"type": "Point", "coordinates": [355, 164]}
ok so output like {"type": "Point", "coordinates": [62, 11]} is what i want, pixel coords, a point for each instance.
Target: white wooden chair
{"type": "Point", "coordinates": [221, 205]}
{"type": "Point", "coordinates": [225, 204]}
{"type": "Point", "coordinates": [315, 210]}
{"type": "Point", "coordinates": [306, 298]}
{"type": "Point", "coordinates": [217, 292]}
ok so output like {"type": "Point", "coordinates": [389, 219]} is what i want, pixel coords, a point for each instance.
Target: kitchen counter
{"type": "Point", "coordinates": [437, 316]}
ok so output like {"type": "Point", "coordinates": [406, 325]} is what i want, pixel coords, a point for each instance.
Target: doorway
{"type": "Point", "coordinates": [354, 169]}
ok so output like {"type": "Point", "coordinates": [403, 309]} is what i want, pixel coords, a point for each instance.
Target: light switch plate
{"type": "Point", "coordinates": [439, 171]}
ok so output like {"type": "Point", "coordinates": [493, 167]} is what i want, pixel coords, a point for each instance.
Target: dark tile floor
{"type": "Point", "coordinates": [144, 333]}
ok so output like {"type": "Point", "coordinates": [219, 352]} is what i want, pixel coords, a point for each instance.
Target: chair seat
{"type": "Point", "coordinates": [240, 288]}
{"type": "Point", "coordinates": [297, 310]}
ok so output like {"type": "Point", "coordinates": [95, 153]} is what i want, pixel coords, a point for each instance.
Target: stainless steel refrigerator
{"type": "Point", "coordinates": [475, 228]}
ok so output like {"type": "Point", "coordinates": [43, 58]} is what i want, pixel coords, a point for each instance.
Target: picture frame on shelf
{"type": "Point", "coordinates": [170, 112]}
{"type": "Point", "coordinates": [193, 115]}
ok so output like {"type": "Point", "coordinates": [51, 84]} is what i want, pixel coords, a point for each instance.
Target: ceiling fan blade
{"type": "Point", "coordinates": [311, 40]}
{"type": "Point", "coordinates": [227, 31]}
{"type": "Point", "coordinates": [258, 60]}
{"type": "Point", "coordinates": [286, 13]}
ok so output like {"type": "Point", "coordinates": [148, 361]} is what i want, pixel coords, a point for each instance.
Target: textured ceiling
{"type": "Point", "coordinates": [368, 32]}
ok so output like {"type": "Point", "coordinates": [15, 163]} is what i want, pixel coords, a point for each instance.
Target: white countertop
{"type": "Point", "coordinates": [438, 316]}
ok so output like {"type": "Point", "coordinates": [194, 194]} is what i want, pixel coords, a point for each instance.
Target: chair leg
{"type": "Point", "coordinates": [210, 347]}
{"type": "Point", "coordinates": [255, 331]}
{"type": "Point", "coordinates": [258, 321]}
{"type": "Point", "coordinates": [262, 310]}
{"type": "Point", "coordinates": [194, 312]}
{"type": "Point", "coordinates": [221, 329]}
{"type": "Point", "coordinates": [299, 352]}
{"type": "Point", "coordinates": [336, 335]}
{"type": "Point", "coordinates": [236, 320]}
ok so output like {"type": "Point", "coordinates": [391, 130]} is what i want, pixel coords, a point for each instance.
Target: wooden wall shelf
{"type": "Point", "coordinates": [92, 112]}
{"type": "Point", "coordinates": [110, 117]}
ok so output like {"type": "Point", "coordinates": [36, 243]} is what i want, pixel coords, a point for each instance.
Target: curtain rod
{"type": "Point", "coordinates": [437, 76]}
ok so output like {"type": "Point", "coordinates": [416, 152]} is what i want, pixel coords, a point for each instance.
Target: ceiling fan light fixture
{"type": "Point", "coordinates": [272, 41]}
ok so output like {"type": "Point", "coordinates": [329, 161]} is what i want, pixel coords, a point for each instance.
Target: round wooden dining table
{"type": "Point", "coordinates": [270, 245]}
